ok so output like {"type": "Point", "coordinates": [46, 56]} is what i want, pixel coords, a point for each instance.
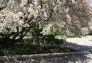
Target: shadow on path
{"type": "Point", "coordinates": [79, 47]}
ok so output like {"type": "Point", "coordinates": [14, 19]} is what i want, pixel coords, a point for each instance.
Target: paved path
{"type": "Point", "coordinates": [81, 44]}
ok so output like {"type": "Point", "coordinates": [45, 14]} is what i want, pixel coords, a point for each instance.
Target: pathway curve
{"type": "Point", "coordinates": [81, 44]}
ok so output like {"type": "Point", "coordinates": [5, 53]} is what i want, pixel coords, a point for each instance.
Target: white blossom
{"type": "Point", "coordinates": [47, 29]}
{"type": "Point", "coordinates": [23, 3]}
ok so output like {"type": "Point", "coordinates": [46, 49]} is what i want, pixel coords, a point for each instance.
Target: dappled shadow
{"type": "Point", "coordinates": [47, 58]}
{"type": "Point", "coordinates": [80, 58]}
{"type": "Point", "coordinates": [66, 57]}
{"type": "Point", "coordinates": [79, 47]}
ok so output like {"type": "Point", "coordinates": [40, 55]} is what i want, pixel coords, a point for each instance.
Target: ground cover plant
{"type": "Point", "coordinates": [37, 43]}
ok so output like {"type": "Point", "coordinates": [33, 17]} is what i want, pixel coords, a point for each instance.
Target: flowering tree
{"type": "Point", "coordinates": [18, 18]}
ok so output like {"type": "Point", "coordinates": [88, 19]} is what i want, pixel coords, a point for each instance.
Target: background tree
{"type": "Point", "coordinates": [18, 18]}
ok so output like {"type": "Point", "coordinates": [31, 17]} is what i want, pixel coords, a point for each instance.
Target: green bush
{"type": "Point", "coordinates": [38, 38]}
{"type": "Point", "coordinates": [37, 43]}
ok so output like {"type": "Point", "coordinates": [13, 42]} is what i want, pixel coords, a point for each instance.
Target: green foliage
{"type": "Point", "coordinates": [37, 43]}
{"type": "Point", "coordinates": [50, 39]}
{"type": "Point", "coordinates": [38, 38]}
{"type": "Point", "coordinates": [1, 52]}
{"type": "Point", "coordinates": [37, 49]}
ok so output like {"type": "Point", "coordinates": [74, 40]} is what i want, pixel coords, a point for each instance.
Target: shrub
{"type": "Point", "coordinates": [18, 19]}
